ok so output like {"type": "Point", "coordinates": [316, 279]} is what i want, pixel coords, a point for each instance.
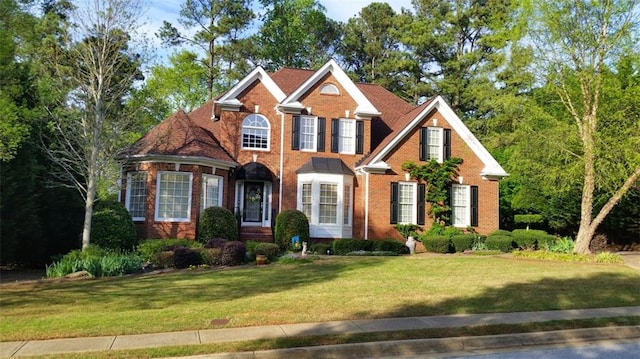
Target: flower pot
{"type": "Point", "coordinates": [261, 259]}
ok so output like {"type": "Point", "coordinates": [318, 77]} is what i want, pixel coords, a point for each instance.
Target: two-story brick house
{"type": "Point", "coordinates": [308, 140]}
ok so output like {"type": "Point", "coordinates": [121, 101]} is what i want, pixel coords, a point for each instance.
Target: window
{"type": "Point", "coordinates": [464, 205]}
{"type": "Point", "coordinates": [346, 205]}
{"type": "Point", "coordinates": [308, 133]}
{"type": "Point", "coordinates": [347, 140]}
{"type": "Point", "coordinates": [173, 200]}
{"type": "Point", "coordinates": [136, 197]}
{"type": "Point", "coordinates": [460, 205]}
{"type": "Point", "coordinates": [407, 203]}
{"type": "Point", "coordinates": [329, 89]}
{"type": "Point", "coordinates": [328, 203]}
{"type": "Point", "coordinates": [306, 199]}
{"type": "Point", "coordinates": [435, 144]}
{"type": "Point", "coordinates": [211, 195]}
{"type": "Point", "coordinates": [255, 132]}
{"type": "Point", "coordinates": [347, 136]}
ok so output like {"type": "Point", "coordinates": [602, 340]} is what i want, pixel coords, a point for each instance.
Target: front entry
{"type": "Point", "coordinates": [253, 202]}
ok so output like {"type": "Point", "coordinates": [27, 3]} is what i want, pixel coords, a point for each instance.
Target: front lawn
{"type": "Point", "coordinates": [332, 288]}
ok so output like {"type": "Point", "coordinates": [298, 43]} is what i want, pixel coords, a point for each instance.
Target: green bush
{"type": "Point", "coordinates": [499, 232]}
{"type": "Point", "coordinates": [233, 253]}
{"type": "Point", "coordinates": [348, 245]}
{"type": "Point", "coordinates": [162, 259]}
{"type": "Point", "coordinates": [499, 242]}
{"type": "Point", "coordinates": [290, 223]}
{"type": "Point", "coordinates": [271, 250]}
{"type": "Point", "coordinates": [463, 242]}
{"type": "Point", "coordinates": [560, 245]}
{"type": "Point", "coordinates": [217, 222]}
{"type": "Point", "coordinates": [98, 263]}
{"type": "Point", "coordinates": [150, 248]}
{"type": "Point", "coordinates": [436, 244]}
{"type": "Point", "coordinates": [211, 256]}
{"type": "Point", "coordinates": [529, 239]}
{"type": "Point", "coordinates": [390, 245]}
{"type": "Point", "coordinates": [321, 248]}
{"type": "Point", "coordinates": [186, 257]}
{"type": "Point", "coordinates": [112, 227]}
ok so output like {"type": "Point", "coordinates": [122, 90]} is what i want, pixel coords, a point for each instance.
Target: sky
{"type": "Point", "coordinates": [158, 11]}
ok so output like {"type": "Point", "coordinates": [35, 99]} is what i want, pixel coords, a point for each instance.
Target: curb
{"type": "Point", "coordinates": [436, 346]}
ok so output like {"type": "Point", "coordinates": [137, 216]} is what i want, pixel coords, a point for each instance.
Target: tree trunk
{"type": "Point", "coordinates": [88, 212]}
{"type": "Point", "coordinates": [586, 230]}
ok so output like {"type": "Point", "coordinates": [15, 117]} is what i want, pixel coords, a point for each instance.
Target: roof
{"type": "Point", "coordinates": [182, 136]}
{"type": "Point", "coordinates": [325, 165]}
{"type": "Point", "coordinates": [289, 79]}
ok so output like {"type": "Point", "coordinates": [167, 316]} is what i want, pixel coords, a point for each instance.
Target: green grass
{"type": "Point", "coordinates": [331, 288]}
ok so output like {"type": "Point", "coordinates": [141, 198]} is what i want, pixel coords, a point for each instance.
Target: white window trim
{"type": "Point", "coordinates": [414, 202]}
{"type": "Point", "coordinates": [315, 179]}
{"type": "Point", "coordinates": [127, 201]}
{"type": "Point", "coordinates": [158, 180]}
{"type": "Point", "coordinates": [352, 139]}
{"type": "Point", "coordinates": [467, 207]}
{"type": "Point", "coordinates": [329, 89]}
{"type": "Point", "coordinates": [314, 147]}
{"type": "Point", "coordinates": [203, 197]}
{"type": "Point", "coordinates": [440, 131]}
{"type": "Point", "coordinates": [268, 128]}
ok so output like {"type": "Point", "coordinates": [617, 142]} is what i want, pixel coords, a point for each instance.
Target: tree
{"type": "Point", "coordinates": [219, 31]}
{"type": "Point", "coordinates": [296, 33]}
{"type": "Point", "coordinates": [372, 52]}
{"type": "Point", "coordinates": [95, 72]}
{"type": "Point", "coordinates": [460, 46]}
{"type": "Point", "coordinates": [576, 41]}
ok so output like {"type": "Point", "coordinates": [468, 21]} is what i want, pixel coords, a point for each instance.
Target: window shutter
{"type": "Point", "coordinates": [422, 188]}
{"type": "Point", "coordinates": [359, 137]}
{"type": "Point", "coordinates": [321, 131]}
{"type": "Point", "coordinates": [423, 144]}
{"type": "Point", "coordinates": [448, 201]}
{"type": "Point", "coordinates": [335, 134]}
{"type": "Point", "coordinates": [295, 133]}
{"type": "Point", "coordinates": [474, 206]}
{"type": "Point", "coordinates": [446, 144]}
{"type": "Point", "coordinates": [394, 203]}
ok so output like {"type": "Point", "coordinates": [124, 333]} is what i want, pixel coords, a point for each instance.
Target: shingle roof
{"type": "Point", "coordinates": [289, 79]}
{"type": "Point", "coordinates": [325, 165]}
{"type": "Point", "coordinates": [182, 135]}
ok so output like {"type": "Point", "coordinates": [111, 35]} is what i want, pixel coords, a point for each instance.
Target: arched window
{"type": "Point", "coordinates": [255, 132]}
{"type": "Point", "coordinates": [329, 89]}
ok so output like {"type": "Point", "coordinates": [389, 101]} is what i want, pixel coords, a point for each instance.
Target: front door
{"type": "Point", "coordinates": [253, 201]}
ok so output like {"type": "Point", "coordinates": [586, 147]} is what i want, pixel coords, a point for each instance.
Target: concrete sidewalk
{"type": "Point", "coordinates": [208, 336]}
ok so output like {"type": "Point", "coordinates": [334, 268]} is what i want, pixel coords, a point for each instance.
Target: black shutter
{"type": "Point", "coordinates": [359, 137]}
{"type": "Point", "coordinates": [394, 203]}
{"type": "Point", "coordinates": [322, 124]}
{"type": "Point", "coordinates": [421, 203]}
{"type": "Point", "coordinates": [295, 133]}
{"type": "Point", "coordinates": [423, 144]}
{"type": "Point", "coordinates": [474, 206]}
{"type": "Point", "coordinates": [335, 134]}
{"type": "Point", "coordinates": [446, 144]}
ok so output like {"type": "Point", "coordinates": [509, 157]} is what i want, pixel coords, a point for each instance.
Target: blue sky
{"type": "Point", "coordinates": [158, 11]}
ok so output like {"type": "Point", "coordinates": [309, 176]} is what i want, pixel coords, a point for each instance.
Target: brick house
{"type": "Point", "coordinates": [308, 140]}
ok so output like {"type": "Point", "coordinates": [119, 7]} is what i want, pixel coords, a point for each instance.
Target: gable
{"type": "Point", "coordinates": [230, 100]}
{"type": "Point", "coordinates": [409, 123]}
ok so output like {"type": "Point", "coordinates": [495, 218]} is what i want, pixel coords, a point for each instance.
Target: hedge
{"type": "Point", "coordinates": [530, 239]}
{"type": "Point", "coordinates": [348, 245]}
{"type": "Point", "coordinates": [291, 223]}
{"type": "Point", "coordinates": [437, 244]}
{"type": "Point", "coordinates": [499, 242]}
{"type": "Point", "coordinates": [217, 222]}
{"type": "Point", "coordinates": [463, 242]}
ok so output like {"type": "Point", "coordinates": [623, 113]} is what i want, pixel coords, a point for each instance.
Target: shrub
{"type": "Point", "coordinates": [499, 242]}
{"type": "Point", "coordinates": [217, 222]}
{"type": "Point", "coordinates": [215, 243]}
{"type": "Point", "coordinates": [149, 249]}
{"type": "Point", "coordinates": [321, 248]}
{"type": "Point", "coordinates": [529, 239]}
{"type": "Point", "coordinates": [211, 256]}
{"type": "Point", "coordinates": [390, 245]}
{"type": "Point", "coordinates": [271, 250]}
{"type": "Point", "coordinates": [436, 244]}
{"type": "Point", "coordinates": [186, 257]}
{"type": "Point", "coordinates": [561, 245]}
{"type": "Point", "coordinates": [463, 242]}
{"type": "Point", "coordinates": [97, 263]}
{"type": "Point", "coordinates": [499, 232]}
{"type": "Point", "coordinates": [348, 245]}
{"type": "Point", "coordinates": [290, 223]}
{"type": "Point", "coordinates": [608, 257]}
{"type": "Point", "coordinates": [233, 253]}
{"type": "Point", "coordinates": [162, 259]}
{"type": "Point", "coordinates": [112, 226]}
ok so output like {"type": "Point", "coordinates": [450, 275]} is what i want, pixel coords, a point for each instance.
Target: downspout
{"type": "Point", "coordinates": [281, 158]}
{"type": "Point", "coordinates": [366, 205]}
